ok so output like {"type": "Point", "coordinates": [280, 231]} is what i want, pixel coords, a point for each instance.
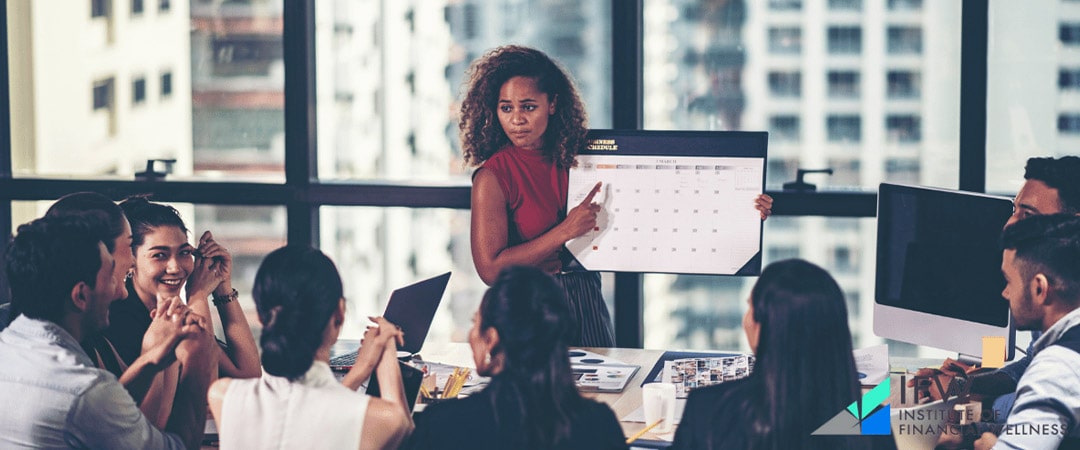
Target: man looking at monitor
{"type": "Point", "coordinates": [1042, 276]}
{"type": "Point", "coordinates": [1051, 186]}
{"type": "Point", "coordinates": [62, 281]}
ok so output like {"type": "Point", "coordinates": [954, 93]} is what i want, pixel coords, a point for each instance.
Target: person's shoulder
{"type": "Point", "coordinates": [100, 391]}
{"type": "Point", "coordinates": [1054, 360]}
{"type": "Point", "coordinates": [497, 161]}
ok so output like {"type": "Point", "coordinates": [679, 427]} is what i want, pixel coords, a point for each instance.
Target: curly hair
{"type": "Point", "coordinates": [481, 133]}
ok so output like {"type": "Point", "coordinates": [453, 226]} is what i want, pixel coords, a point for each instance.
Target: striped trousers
{"type": "Point", "coordinates": [587, 309]}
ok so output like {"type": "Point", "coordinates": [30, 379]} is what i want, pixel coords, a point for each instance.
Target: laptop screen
{"type": "Point", "coordinates": [413, 307]}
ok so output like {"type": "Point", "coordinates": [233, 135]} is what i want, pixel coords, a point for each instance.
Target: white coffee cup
{"type": "Point", "coordinates": [658, 401]}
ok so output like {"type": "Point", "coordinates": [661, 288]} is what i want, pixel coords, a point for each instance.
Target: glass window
{"type": "Point", "coordinates": [378, 250]}
{"type": "Point", "coordinates": [785, 41]}
{"type": "Point", "coordinates": [1069, 123]}
{"type": "Point", "coordinates": [846, 171]}
{"type": "Point", "coordinates": [830, 131]}
{"type": "Point", "coordinates": [845, 5]}
{"type": "Point", "coordinates": [138, 90]}
{"type": "Point", "coordinates": [390, 82]}
{"type": "Point", "coordinates": [844, 128]}
{"type": "Point", "coordinates": [904, 170]}
{"type": "Point", "coordinates": [843, 259]}
{"type": "Point", "coordinates": [843, 84]}
{"type": "Point", "coordinates": [845, 40]}
{"type": "Point", "coordinates": [1026, 118]}
{"type": "Point", "coordinates": [1069, 79]}
{"type": "Point", "coordinates": [705, 312]}
{"type": "Point", "coordinates": [784, 128]}
{"type": "Point", "coordinates": [785, 84]}
{"type": "Point", "coordinates": [905, 5]}
{"type": "Point", "coordinates": [1069, 34]}
{"type": "Point", "coordinates": [901, 84]}
{"type": "Point", "coordinates": [905, 40]}
{"type": "Point", "coordinates": [785, 5]}
{"type": "Point", "coordinates": [904, 128]}
{"type": "Point", "coordinates": [164, 5]}
{"type": "Point", "coordinates": [99, 8]}
{"type": "Point", "coordinates": [166, 84]}
{"type": "Point", "coordinates": [103, 94]}
{"type": "Point", "coordinates": [220, 66]}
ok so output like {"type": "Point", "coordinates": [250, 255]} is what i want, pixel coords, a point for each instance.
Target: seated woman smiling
{"type": "Point", "coordinates": [518, 339]}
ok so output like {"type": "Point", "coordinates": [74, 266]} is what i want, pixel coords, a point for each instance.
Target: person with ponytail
{"type": "Point", "coordinates": [804, 372]}
{"type": "Point", "coordinates": [297, 403]}
{"type": "Point", "coordinates": [518, 339]}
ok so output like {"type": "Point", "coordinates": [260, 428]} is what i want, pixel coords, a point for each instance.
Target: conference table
{"type": "Point", "coordinates": [622, 403]}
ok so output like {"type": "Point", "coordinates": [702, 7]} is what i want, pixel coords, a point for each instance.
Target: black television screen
{"type": "Point", "coordinates": [938, 252]}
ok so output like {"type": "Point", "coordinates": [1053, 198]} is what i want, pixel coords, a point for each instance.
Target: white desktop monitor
{"type": "Point", "coordinates": [938, 280]}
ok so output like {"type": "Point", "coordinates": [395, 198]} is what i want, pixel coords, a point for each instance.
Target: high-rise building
{"type": "Point", "coordinates": [850, 85]}
{"type": "Point", "coordinates": [91, 100]}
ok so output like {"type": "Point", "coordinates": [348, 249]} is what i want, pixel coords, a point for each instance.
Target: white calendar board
{"type": "Point", "coordinates": [670, 213]}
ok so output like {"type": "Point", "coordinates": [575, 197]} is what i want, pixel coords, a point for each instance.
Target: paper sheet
{"type": "Point", "coordinates": [872, 363]}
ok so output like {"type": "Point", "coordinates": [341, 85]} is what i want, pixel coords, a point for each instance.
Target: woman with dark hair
{"type": "Point", "coordinates": [523, 121]}
{"type": "Point", "coordinates": [297, 403]}
{"type": "Point", "coordinates": [804, 373]}
{"type": "Point", "coordinates": [518, 339]}
{"type": "Point", "coordinates": [164, 263]}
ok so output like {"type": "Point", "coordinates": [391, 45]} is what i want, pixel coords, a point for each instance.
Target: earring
{"type": "Point", "coordinates": [487, 359]}
{"type": "Point", "coordinates": [130, 275]}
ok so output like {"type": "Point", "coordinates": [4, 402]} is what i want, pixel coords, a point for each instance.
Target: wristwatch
{"type": "Point", "coordinates": [223, 299]}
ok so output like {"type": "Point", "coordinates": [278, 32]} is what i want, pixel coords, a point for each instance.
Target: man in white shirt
{"type": "Point", "coordinates": [62, 282]}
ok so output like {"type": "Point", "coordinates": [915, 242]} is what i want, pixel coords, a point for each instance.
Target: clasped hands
{"type": "Point", "coordinates": [176, 333]}
{"type": "Point", "coordinates": [380, 341]}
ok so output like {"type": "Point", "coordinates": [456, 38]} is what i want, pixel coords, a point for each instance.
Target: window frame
{"type": "Point", "coordinates": [302, 193]}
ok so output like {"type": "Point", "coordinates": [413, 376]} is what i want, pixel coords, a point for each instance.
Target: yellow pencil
{"type": "Point", "coordinates": [643, 431]}
{"type": "Point", "coordinates": [449, 383]}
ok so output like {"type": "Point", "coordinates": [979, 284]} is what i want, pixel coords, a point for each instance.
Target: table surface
{"type": "Point", "coordinates": [622, 403]}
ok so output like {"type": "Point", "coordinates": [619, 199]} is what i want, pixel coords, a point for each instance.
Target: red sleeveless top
{"type": "Point", "coordinates": [535, 191]}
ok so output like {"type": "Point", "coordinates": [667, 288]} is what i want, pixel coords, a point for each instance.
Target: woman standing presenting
{"type": "Point", "coordinates": [523, 121]}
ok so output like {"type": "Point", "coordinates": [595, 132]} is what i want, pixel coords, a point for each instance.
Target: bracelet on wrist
{"type": "Point", "coordinates": [220, 300]}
